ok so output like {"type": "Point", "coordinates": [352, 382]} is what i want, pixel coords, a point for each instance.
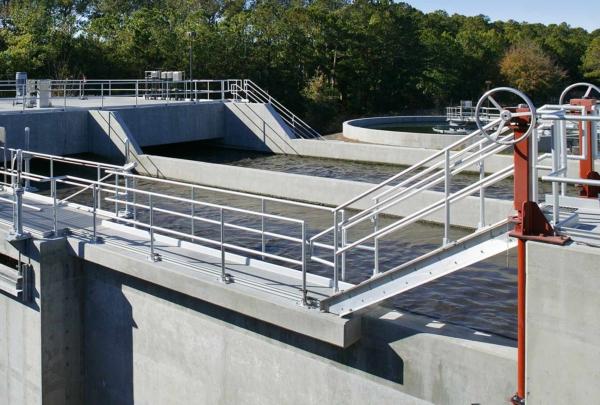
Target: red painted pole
{"type": "Point", "coordinates": [522, 195]}
{"type": "Point", "coordinates": [521, 250]}
{"type": "Point", "coordinates": [586, 165]}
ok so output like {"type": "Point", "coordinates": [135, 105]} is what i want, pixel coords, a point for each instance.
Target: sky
{"type": "Point", "coordinates": [577, 13]}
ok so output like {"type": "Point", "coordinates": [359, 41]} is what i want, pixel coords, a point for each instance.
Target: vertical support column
{"type": "Point", "coordinates": [344, 241]}
{"type": "Point", "coordinates": [522, 190]}
{"type": "Point", "coordinates": [376, 241]}
{"type": "Point", "coordinates": [263, 242]}
{"type": "Point", "coordinates": [335, 252]}
{"type": "Point", "coordinates": [587, 143]}
{"type": "Point", "coordinates": [447, 184]}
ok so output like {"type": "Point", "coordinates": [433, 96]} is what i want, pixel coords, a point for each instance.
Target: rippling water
{"type": "Point", "coordinates": [320, 167]}
{"type": "Point", "coordinates": [482, 296]}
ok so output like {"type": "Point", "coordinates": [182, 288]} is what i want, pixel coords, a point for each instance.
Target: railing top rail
{"type": "Point", "coordinates": [231, 192]}
{"type": "Point", "coordinates": [174, 198]}
{"type": "Point", "coordinates": [56, 158]}
{"type": "Point", "coordinates": [414, 167]}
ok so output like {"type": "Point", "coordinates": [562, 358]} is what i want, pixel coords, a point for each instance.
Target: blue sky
{"type": "Point", "coordinates": [577, 13]}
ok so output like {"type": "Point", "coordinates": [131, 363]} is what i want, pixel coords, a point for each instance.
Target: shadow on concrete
{"type": "Point", "coordinates": [263, 129]}
{"type": "Point", "coordinates": [108, 341]}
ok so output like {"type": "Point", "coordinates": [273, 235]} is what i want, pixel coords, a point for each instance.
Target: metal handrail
{"type": "Point", "coordinates": [131, 201]}
{"type": "Point", "coordinates": [257, 94]}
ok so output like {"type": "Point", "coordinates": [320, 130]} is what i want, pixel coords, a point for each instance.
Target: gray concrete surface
{"type": "Point", "coordinates": [258, 127]}
{"type": "Point", "coordinates": [20, 342]}
{"type": "Point", "coordinates": [115, 338]}
{"type": "Point", "coordinates": [370, 130]}
{"type": "Point", "coordinates": [563, 324]}
{"type": "Point", "coordinates": [318, 190]}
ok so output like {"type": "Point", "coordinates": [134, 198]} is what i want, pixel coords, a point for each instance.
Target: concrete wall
{"type": "Point", "coordinates": [148, 345]}
{"type": "Point", "coordinates": [95, 335]}
{"type": "Point", "coordinates": [318, 190]}
{"type": "Point", "coordinates": [256, 127]}
{"type": "Point", "coordinates": [176, 123]}
{"type": "Point", "coordinates": [80, 131]}
{"type": "Point", "coordinates": [563, 324]}
{"type": "Point", "coordinates": [20, 343]}
{"type": "Point", "coordinates": [56, 132]}
{"type": "Point", "coordinates": [362, 129]}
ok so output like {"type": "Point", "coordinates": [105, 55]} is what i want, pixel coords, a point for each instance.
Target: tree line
{"type": "Point", "coordinates": [326, 59]}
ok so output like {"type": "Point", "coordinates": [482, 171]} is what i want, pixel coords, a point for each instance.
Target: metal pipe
{"type": "Point", "coordinates": [304, 288]}
{"type": "Point", "coordinates": [193, 206]}
{"type": "Point", "coordinates": [335, 252]}
{"type": "Point", "coordinates": [447, 180]}
{"type": "Point", "coordinates": [94, 212]}
{"type": "Point", "coordinates": [521, 278]}
{"type": "Point", "coordinates": [262, 227]}
{"type": "Point", "coordinates": [151, 222]}
{"type": "Point", "coordinates": [344, 240]}
{"type": "Point", "coordinates": [376, 243]}
{"type": "Point", "coordinates": [223, 275]}
{"type": "Point", "coordinates": [482, 190]}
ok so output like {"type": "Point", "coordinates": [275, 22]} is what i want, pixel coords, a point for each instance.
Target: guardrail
{"type": "Point", "coordinates": [247, 90]}
{"type": "Point", "coordinates": [467, 114]}
{"type": "Point", "coordinates": [131, 204]}
{"type": "Point", "coordinates": [70, 93]}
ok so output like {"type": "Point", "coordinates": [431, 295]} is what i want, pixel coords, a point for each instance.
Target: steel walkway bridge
{"type": "Point", "coordinates": [46, 196]}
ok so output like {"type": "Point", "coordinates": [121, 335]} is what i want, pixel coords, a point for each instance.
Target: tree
{"type": "Point", "coordinates": [591, 60]}
{"type": "Point", "coordinates": [526, 67]}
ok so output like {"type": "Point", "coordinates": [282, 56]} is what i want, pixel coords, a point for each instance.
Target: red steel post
{"type": "Point", "coordinates": [530, 224]}
{"type": "Point", "coordinates": [586, 165]}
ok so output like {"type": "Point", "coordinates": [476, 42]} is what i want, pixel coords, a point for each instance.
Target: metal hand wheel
{"type": "Point", "coordinates": [589, 88]}
{"type": "Point", "coordinates": [494, 130]}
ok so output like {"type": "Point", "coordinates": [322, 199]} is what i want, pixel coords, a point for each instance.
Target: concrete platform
{"type": "Point", "coordinates": [89, 103]}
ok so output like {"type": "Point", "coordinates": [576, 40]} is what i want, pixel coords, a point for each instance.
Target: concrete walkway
{"type": "Point", "coordinates": [258, 289]}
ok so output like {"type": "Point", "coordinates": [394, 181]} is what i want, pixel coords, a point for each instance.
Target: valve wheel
{"type": "Point", "coordinates": [589, 88]}
{"type": "Point", "coordinates": [494, 130]}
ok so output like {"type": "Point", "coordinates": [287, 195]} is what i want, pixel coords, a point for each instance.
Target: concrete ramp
{"type": "Point", "coordinates": [111, 137]}
{"type": "Point", "coordinates": [257, 126]}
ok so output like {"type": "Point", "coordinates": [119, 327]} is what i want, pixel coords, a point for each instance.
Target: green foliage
{"type": "Point", "coordinates": [527, 67]}
{"type": "Point", "coordinates": [591, 60]}
{"type": "Point", "coordinates": [326, 59]}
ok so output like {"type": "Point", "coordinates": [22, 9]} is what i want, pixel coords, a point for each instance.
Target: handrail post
{"type": "Point", "coordinates": [99, 192]}
{"type": "Point", "coordinates": [304, 288]}
{"type": "Point", "coordinates": [94, 212]}
{"type": "Point", "coordinates": [482, 189]}
{"type": "Point", "coordinates": [555, 164]}
{"type": "Point", "coordinates": [116, 195]}
{"type": "Point", "coordinates": [376, 241]}
{"type": "Point", "coordinates": [137, 82]}
{"type": "Point", "coordinates": [154, 257]}
{"type": "Point", "coordinates": [65, 95]}
{"type": "Point", "coordinates": [335, 252]}
{"type": "Point", "coordinates": [193, 211]}
{"type": "Point", "coordinates": [54, 206]}
{"type": "Point", "coordinates": [222, 90]}
{"type": "Point", "coordinates": [447, 180]}
{"type": "Point", "coordinates": [344, 236]}
{"type": "Point", "coordinates": [263, 206]}
{"type": "Point", "coordinates": [18, 200]}
{"type": "Point", "coordinates": [101, 95]}
{"type": "Point", "coordinates": [223, 274]}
